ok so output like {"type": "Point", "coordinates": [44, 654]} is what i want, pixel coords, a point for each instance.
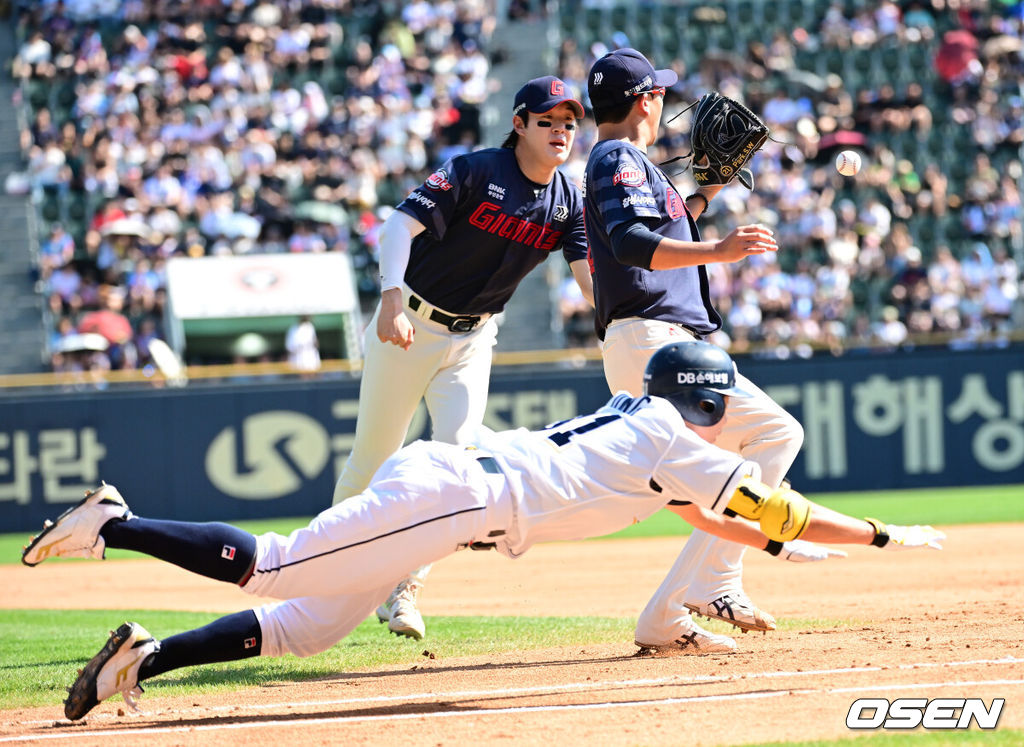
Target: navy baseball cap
{"type": "Point", "coordinates": [621, 75]}
{"type": "Point", "coordinates": [541, 95]}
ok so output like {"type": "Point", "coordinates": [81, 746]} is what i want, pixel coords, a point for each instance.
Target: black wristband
{"type": "Point", "coordinates": [698, 194]}
{"type": "Point", "coordinates": [881, 535]}
{"type": "Point", "coordinates": [774, 547]}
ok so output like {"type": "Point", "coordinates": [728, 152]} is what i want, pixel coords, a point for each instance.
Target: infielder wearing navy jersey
{"type": "Point", "coordinates": [512, 490]}
{"type": "Point", "coordinates": [650, 288]}
{"type": "Point", "coordinates": [452, 254]}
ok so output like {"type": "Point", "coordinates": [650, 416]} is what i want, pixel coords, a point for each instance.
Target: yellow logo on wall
{"type": "Point", "coordinates": [273, 455]}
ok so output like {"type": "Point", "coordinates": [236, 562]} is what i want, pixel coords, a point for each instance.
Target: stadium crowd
{"type": "Point", "coordinates": [167, 128]}
{"type": "Point", "coordinates": [920, 245]}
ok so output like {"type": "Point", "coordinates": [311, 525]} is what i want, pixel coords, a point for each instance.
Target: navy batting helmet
{"type": "Point", "coordinates": [695, 377]}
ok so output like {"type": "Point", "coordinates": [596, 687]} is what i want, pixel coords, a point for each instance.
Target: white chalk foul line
{"type": "Point", "coordinates": [539, 690]}
{"type": "Point", "coordinates": [598, 685]}
{"type": "Point", "coordinates": [476, 713]}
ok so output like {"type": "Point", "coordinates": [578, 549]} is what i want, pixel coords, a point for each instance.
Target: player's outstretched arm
{"type": "Point", "coordinates": [738, 244]}
{"type": "Point", "coordinates": [827, 525]}
{"type": "Point", "coordinates": [744, 532]}
{"type": "Point", "coordinates": [784, 514]}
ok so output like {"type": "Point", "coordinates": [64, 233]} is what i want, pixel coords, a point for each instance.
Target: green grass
{"type": "Point", "coordinates": [40, 650]}
{"type": "Point", "coordinates": [939, 506]}
{"type": "Point", "coordinates": [1012, 737]}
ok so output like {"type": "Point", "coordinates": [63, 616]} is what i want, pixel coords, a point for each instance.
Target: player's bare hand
{"type": "Point", "coordinates": [744, 241]}
{"type": "Point", "coordinates": [392, 324]}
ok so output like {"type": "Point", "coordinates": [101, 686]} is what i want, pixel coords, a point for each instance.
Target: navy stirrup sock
{"type": "Point", "coordinates": [215, 550]}
{"type": "Point", "coordinates": [235, 636]}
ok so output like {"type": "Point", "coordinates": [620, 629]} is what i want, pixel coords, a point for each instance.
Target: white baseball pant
{"type": "Point", "coordinates": [757, 428]}
{"type": "Point", "coordinates": [449, 370]}
{"type": "Point", "coordinates": [424, 504]}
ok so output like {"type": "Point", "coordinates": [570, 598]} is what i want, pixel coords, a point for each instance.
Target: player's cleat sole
{"type": "Point", "coordinates": [689, 639]}
{"type": "Point", "coordinates": [383, 613]}
{"type": "Point", "coordinates": [406, 619]}
{"type": "Point", "coordinates": [696, 643]}
{"type": "Point", "coordinates": [115, 669]}
{"type": "Point", "coordinates": [735, 609]}
{"type": "Point", "coordinates": [76, 532]}
{"type": "Point", "coordinates": [407, 632]}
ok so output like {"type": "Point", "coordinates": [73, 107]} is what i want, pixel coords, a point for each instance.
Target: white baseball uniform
{"type": "Point", "coordinates": [584, 477]}
{"type": "Point", "coordinates": [755, 426]}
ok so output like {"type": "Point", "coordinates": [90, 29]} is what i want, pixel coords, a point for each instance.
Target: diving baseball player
{"type": "Point", "coordinates": [451, 256]}
{"type": "Point", "coordinates": [651, 288]}
{"type": "Point", "coordinates": [567, 481]}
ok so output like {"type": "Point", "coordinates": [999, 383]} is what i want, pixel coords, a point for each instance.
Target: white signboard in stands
{"type": "Point", "coordinates": [260, 285]}
{"type": "Point", "coordinates": [213, 303]}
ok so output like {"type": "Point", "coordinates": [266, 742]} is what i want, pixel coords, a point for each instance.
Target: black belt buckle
{"type": "Point", "coordinates": [463, 323]}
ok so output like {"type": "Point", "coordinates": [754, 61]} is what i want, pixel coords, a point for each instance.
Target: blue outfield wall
{"type": "Point", "coordinates": [233, 451]}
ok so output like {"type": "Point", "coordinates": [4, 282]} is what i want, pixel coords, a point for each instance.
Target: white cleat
{"type": "Point", "coordinates": [76, 532]}
{"type": "Point", "coordinates": [115, 669]}
{"type": "Point", "coordinates": [404, 616]}
{"type": "Point", "coordinates": [736, 609]}
{"type": "Point", "coordinates": [695, 641]}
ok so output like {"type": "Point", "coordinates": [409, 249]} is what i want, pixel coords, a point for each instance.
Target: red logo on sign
{"type": "Point", "coordinates": [557, 88]}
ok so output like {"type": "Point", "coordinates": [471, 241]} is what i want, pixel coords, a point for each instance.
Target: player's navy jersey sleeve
{"type": "Point", "coordinates": [487, 227]}
{"type": "Point", "coordinates": [622, 189]}
{"type": "Point", "coordinates": [433, 203]}
{"type": "Point", "coordinates": [621, 185]}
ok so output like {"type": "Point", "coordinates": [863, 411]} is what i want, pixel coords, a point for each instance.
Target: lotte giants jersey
{"type": "Point", "coordinates": [621, 185]}
{"type": "Point", "coordinates": [592, 474]}
{"type": "Point", "coordinates": [487, 226]}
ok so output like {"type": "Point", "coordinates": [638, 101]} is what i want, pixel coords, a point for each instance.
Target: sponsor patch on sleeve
{"type": "Point", "coordinates": [438, 181]}
{"type": "Point", "coordinates": [629, 175]}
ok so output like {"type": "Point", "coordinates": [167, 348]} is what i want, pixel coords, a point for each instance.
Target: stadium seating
{"type": "Point", "coordinates": [691, 30]}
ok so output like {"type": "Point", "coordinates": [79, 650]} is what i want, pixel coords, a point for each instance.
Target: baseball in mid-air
{"type": "Point", "coordinates": [848, 163]}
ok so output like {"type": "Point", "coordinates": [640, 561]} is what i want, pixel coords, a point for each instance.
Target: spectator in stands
{"type": "Point", "coordinates": [56, 251]}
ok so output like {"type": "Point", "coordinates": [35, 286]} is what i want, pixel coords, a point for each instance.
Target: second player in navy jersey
{"type": "Point", "coordinates": [623, 187]}
{"type": "Point", "coordinates": [486, 225]}
{"type": "Point", "coordinates": [651, 288]}
{"type": "Point", "coordinates": [451, 256]}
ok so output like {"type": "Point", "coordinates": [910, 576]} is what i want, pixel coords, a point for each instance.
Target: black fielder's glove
{"type": "Point", "coordinates": [724, 136]}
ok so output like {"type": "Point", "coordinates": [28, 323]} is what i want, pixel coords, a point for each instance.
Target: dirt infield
{"type": "Point", "coordinates": [919, 624]}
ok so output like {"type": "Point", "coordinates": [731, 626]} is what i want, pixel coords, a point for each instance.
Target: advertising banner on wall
{"type": "Point", "coordinates": [239, 450]}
